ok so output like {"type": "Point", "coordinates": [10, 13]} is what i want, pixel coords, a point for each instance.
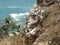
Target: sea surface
{"type": "Point", "coordinates": [16, 9]}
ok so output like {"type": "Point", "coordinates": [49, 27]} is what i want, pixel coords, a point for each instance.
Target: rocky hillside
{"type": "Point", "coordinates": [43, 23]}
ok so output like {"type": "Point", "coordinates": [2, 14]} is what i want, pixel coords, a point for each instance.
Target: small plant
{"type": "Point", "coordinates": [9, 26]}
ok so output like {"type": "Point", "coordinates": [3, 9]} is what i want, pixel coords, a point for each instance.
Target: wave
{"type": "Point", "coordinates": [12, 7]}
{"type": "Point", "coordinates": [13, 15]}
{"type": "Point", "coordinates": [22, 14]}
{"type": "Point", "coordinates": [16, 15]}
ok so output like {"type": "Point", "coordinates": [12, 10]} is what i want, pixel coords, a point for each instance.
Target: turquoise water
{"type": "Point", "coordinates": [16, 9]}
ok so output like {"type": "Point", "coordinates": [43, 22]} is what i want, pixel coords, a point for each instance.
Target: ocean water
{"type": "Point", "coordinates": [16, 9]}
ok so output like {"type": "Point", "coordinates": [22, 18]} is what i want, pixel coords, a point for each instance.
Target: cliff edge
{"type": "Point", "coordinates": [43, 23]}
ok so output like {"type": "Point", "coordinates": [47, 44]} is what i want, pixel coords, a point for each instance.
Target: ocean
{"type": "Point", "coordinates": [16, 9]}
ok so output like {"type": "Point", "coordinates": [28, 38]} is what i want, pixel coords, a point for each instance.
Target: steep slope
{"type": "Point", "coordinates": [43, 23]}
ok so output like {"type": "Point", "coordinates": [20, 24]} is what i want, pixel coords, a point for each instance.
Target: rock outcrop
{"type": "Point", "coordinates": [43, 23]}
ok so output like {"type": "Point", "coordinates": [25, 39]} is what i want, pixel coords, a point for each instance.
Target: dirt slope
{"type": "Point", "coordinates": [43, 23]}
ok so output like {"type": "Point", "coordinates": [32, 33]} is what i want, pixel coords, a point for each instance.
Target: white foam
{"type": "Point", "coordinates": [16, 19]}
{"type": "Point", "coordinates": [16, 15]}
{"type": "Point", "coordinates": [12, 7]}
{"type": "Point", "coordinates": [21, 14]}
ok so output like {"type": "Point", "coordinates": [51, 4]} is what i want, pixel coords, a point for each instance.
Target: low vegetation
{"type": "Point", "coordinates": [14, 40]}
{"type": "Point", "coordinates": [6, 31]}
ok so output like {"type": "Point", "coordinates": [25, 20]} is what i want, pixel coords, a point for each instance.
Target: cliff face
{"type": "Point", "coordinates": [43, 23]}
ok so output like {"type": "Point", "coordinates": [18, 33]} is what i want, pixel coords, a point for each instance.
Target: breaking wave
{"type": "Point", "coordinates": [16, 15]}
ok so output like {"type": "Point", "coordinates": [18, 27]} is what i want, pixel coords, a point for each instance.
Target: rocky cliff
{"type": "Point", "coordinates": [43, 23]}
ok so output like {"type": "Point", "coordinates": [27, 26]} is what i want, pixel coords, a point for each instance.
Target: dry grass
{"type": "Point", "coordinates": [15, 40]}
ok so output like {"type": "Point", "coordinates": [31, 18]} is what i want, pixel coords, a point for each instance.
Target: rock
{"type": "Point", "coordinates": [11, 34]}
{"type": "Point", "coordinates": [17, 33]}
{"type": "Point", "coordinates": [43, 23]}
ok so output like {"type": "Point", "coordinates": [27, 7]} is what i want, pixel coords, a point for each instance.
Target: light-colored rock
{"type": "Point", "coordinates": [11, 34]}
{"type": "Point", "coordinates": [17, 33]}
